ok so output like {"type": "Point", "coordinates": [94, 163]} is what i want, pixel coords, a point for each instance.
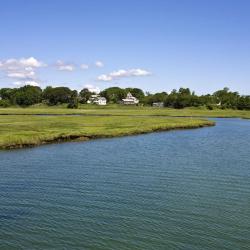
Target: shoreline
{"type": "Point", "coordinates": [127, 115]}
{"type": "Point", "coordinates": [82, 138]}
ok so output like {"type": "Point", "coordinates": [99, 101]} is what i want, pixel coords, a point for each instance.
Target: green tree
{"type": "Point", "coordinates": [58, 95]}
{"type": "Point", "coordinates": [157, 97]}
{"type": "Point", "coordinates": [244, 103]}
{"type": "Point", "coordinates": [5, 103]}
{"type": "Point", "coordinates": [226, 98]}
{"type": "Point", "coordinates": [28, 95]}
{"type": "Point", "coordinates": [136, 92]}
{"type": "Point", "coordinates": [84, 95]}
{"type": "Point", "coordinates": [8, 94]}
{"type": "Point", "coordinates": [114, 94]}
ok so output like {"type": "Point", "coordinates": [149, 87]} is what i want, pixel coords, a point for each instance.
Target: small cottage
{"type": "Point", "coordinates": [96, 99]}
{"type": "Point", "coordinates": [100, 101]}
{"type": "Point", "coordinates": [158, 104]}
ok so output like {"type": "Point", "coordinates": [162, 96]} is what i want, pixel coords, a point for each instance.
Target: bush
{"type": "Point", "coordinates": [73, 104]}
{"type": "Point", "coordinates": [210, 107]}
{"type": "Point", "coordinates": [5, 103]}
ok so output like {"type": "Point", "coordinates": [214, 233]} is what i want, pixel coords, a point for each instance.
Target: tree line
{"type": "Point", "coordinates": [184, 97]}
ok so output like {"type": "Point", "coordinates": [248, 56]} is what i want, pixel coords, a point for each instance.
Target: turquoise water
{"type": "Point", "coordinates": [186, 189]}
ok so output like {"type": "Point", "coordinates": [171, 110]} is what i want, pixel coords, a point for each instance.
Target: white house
{"type": "Point", "coordinates": [130, 99]}
{"type": "Point", "coordinates": [100, 101]}
{"type": "Point", "coordinates": [158, 104]}
{"type": "Point", "coordinates": [96, 99]}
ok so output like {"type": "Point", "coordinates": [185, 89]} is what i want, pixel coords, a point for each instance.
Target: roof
{"type": "Point", "coordinates": [130, 98]}
{"type": "Point", "coordinates": [101, 98]}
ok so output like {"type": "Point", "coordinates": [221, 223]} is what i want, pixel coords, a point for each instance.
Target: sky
{"type": "Point", "coordinates": [155, 45]}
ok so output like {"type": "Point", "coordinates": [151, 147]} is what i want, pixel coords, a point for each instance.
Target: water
{"type": "Point", "coordinates": [186, 189]}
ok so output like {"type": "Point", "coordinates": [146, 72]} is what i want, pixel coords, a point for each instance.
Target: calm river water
{"type": "Point", "coordinates": [186, 189]}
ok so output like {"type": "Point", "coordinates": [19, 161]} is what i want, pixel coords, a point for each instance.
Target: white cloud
{"type": "Point", "coordinates": [21, 74]}
{"type": "Point", "coordinates": [31, 62]}
{"type": "Point", "coordinates": [122, 74]}
{"type": "Point", "coordinates": [105, 78]}
{"type": "Point", "coordinates": [99, 64]}
{"type": "Point", "coordinates": [84, 66]}
{"type": "Point", "coordinates": [23, 83]}
{"type": "Point", "coordinates": [23, 69]}
{"type": "Point", "coordinates": [92, 88]}
{"type": "Point", "coordinates": [13, 63]}
{"type": "Point", "coordinates": [64, 67]}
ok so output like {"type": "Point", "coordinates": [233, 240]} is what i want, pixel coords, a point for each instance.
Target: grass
{"type": "Point", "coordinates": [17, 131]}
{"type": "Point", "coordinates": [20, 127]}
{"type": "Point", "coordinates": [128, 111]}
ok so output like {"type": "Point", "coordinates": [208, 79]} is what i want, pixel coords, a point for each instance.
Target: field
{"type": "Point", "coordinates": [17, 131]}
{"type": "Point", "coordinates": [128, 111]}
{"type": "Point", "coordinates": [22, 127]}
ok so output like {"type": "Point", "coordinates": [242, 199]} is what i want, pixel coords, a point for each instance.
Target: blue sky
{"type": "Point", "coordinates": [156, 45]}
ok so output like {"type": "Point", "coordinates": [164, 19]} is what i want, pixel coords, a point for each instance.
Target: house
{"type": "Point", "coordinates": [97, 99]}
{"type": "Point", "coordinates": [130, 100]}
{"type": "Point", "coordinates": [158, 104]}
{"type": "Point", "coordinates": [100, 101]}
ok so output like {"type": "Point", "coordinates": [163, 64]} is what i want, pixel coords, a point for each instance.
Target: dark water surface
{"type": "Point", "coordinates": [186, 189]}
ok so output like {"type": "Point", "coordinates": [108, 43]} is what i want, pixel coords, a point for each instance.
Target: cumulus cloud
{"type": "Point", "coordinates": [62, 66]}
{"type": "Point", "coordinates": [122, 74]}
{"type": "Point", "coordinates": [28, 63]}
{"type": "Point", "coordinates": [84, 66]}
{"type": "Point", "coordinates": [99, 64]}
{"type": "Point", "coordinates": [23, 70]}
{"type": "Point", "coordinates": [92, 88]}
{"type": "Point", "coordinates": [23, 83]}
{"type": "Point", "coordinates": [22, 74]}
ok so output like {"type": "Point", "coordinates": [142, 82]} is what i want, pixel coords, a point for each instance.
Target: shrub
{"type": "Point", "coordinates": [4, 103]}
{"type": "Point", "coordinates": [210, 107]}
{"type": "Point", "coordinates": [73, 104]}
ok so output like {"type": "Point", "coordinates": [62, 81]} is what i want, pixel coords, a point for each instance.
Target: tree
{"type": "Point", "coordinates": [157, 97]}
{"type": "Point", "coordinates": [244, 103]}
{"type": "Point", "coordinates": [73, 103]}
{"type": "Point", "coordinates": [5, 103]}
{"type": "Point", "coordinates": [84, 95]}
{"type": "Point", "coordinates": [114, 94]}
{"type": "Point", "coordinates": [138, 93]}
{"type": "Point", "coordinates": [8, 94]}
{"type": "Point", "coordinates": [28, 95]}
{"type": "Point", "coordinates": [58, 95]}
{"type": "Point", "coordinates": [226, 98]}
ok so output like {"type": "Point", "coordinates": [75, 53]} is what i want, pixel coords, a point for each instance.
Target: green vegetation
{"type": "Point", "coordinates": [121, 110]}
{"type": "Point", "coordinates": [18, 131]}
{"type": "Point", "coordinates": [116, 94]}
{"type": "Point", "coordinates": [183, 98]}
{"type": "Point", "coordinates": [21, 125]}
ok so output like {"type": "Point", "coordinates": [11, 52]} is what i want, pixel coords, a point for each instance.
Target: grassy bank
{"type": "Point", "coordinates": [17, 131]}
{"type": "Point", "coordinates": [128, 111]}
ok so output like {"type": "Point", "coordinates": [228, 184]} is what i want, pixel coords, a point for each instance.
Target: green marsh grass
{"type": "Point", "coordinates": [17, 131]}
{"type": "Point", "coordinates": [128, 111]}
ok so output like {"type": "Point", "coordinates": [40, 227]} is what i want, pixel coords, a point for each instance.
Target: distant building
{"type": "Point", "coordinates": [130, 100]}
{"type": "Point", "coordinates": [96, 99]}
{"type": "Point", "coordinates": [158, 104]}
{"type": "Point", "coordinates": [100, 101]}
